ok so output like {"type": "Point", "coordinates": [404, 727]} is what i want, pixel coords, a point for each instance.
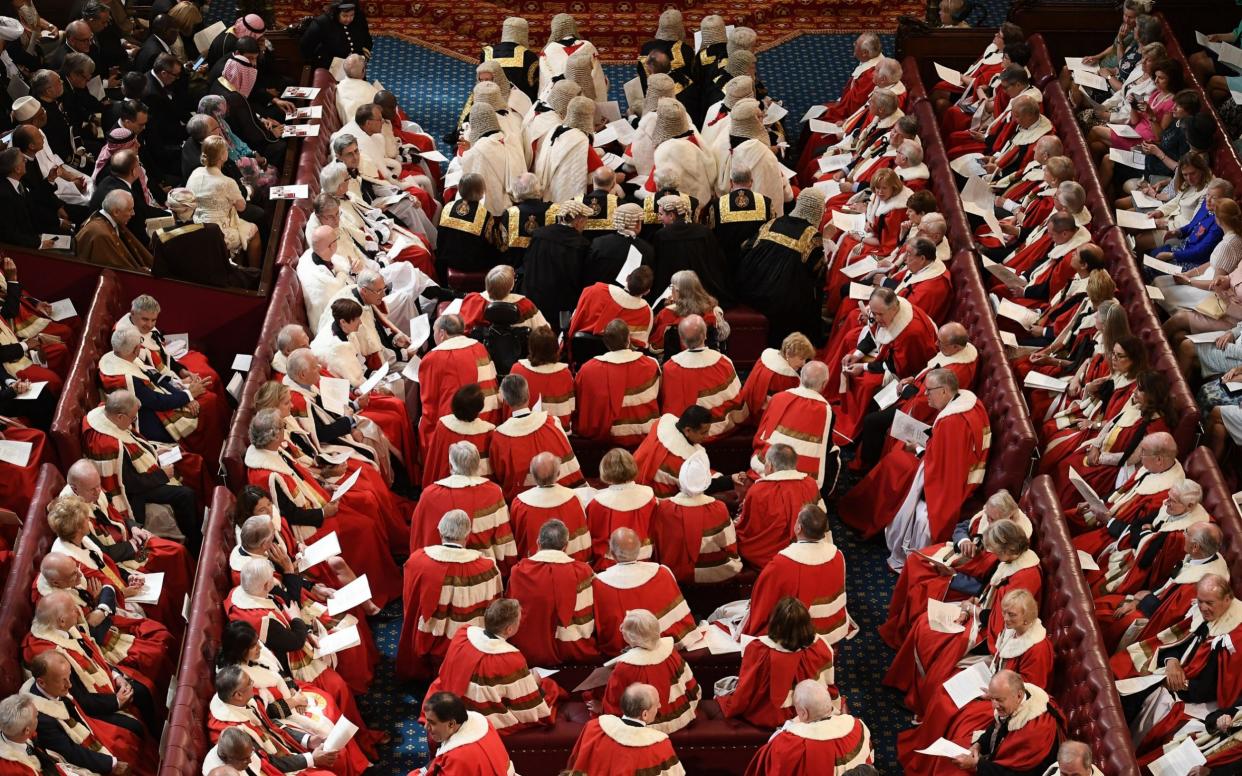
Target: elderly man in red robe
{"type": "Point", "coordinates": [492, 676]}
{"type": "Point", "coordinates": [669, 444]}
{"type": "Point", "coordinates": [524, 435]}
{"type": "Point", "coordinates": [558, 602]}
{"type": "Point", "coordinates": [854, 94]}
{"type": "Point", "coordinates": [810, 569]}
{"type": "Point", "coordinates": [549, 500]}
{"type": "Point", "coordinates": [765, 524]}
{"type": "Point", "coordinates": [498, 287]}
{"type": "Point", "coordinates": [916, 492]}
{"type": "Point", "coordinates": [1127, 618]}
{"type": "Point", "coordinates": [817, 740]}
{"type": "Point", "coordinates": [465, 742]}
{"type": "Point", "coordinates": [456, 360]}
{"type": "Point", "coordinates": [20, 753]}
{"type": "Point", "coordinates": [775, 371]}
{"type": "Point", "coordinates": [692, 531]}
{"type": "Point", "coordinates": [897, 338]}
{"type": "Point", "coordinates": [1140, 497]}
{"type": "Point", "coordinates": [447, 587]}
{"type": "Point", "coordinates": [801, 418]}
{"type": "Point", "coordinates": [235, 705]}
{"type": "Point", "coordinates": [618, 392]}
{"type": "Point", "coordinates": [479, 497]}
{"type": "Point", "coordinates": [604, 302]}
{"type": "Point", "coordinates": [1021, 735]}
{"type": "Point", "coordinates": [635, 584]}
{"type": "Point", "coordinates": [627, 744]}
{"type": "Point", "coordinates": [1196, 659]}
{"type": "Point", "coordinates": [702, 376]}
{"type": "Point", "coordinates": [909, 395]}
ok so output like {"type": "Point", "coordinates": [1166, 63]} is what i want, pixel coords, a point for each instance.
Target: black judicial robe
{"type": "Point", "coordinates": [782, 277]}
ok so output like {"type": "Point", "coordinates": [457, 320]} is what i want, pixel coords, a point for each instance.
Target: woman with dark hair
{"type": "Point", "coordinates": [549, 379]}
{"type": "Point", "coordinates": [305, 706]}
{"type": "Point", "coordinates": [1104, 394]}
{"type": "Point", "coordinates": [772, 665]}
{"type": "Point", "coordinates": [463, 424]}
{"type": "Point", "coordinates": [1098, 458]}
{"type": "Point", "coordinates": [340, 31]}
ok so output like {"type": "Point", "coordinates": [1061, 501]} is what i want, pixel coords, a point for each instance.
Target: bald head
{"type": "Point", "coordinates": [811, 701]}
{"type": "Point", "coordinates": [624, 545]}
{"type": "Point", "coordinates": [693, 331]}
{"type": "Point", "coordinates": [1203, 540]}
{"type": "Point", "coordinates": [1158, 452]}
{"type": "Point", "coordinates": [323, 241]}
{"type": "Point", "coordinates": [83, 479]}
{"type": "Point", "coordinates": [814, 375]}
{"type": "Point", "coordinates": [59, 570]}
{"type": "Point", "coordinates": [952, 338]}
{"type": "Point", "coordinates": [640, 701]}
{"type": "Point", "coordinates": [543, 469]}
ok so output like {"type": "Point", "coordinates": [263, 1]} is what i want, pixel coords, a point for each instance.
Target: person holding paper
{"type": "Point", "coordinates": [558, 605]}
{"type": "Point", "coordinates": [1110, 380]}
{"type": "Point", "coordinates": [869, 53]}
{"type": "Point", "coordinates": [601, 303]}
{"type": "Point", "coordinates": [884, 213]}
{"type": "Point", "coordinates": [627, 744]}
{"type": "Point", "coordinates": [672, 440]}
{"type": "Point", "coordinates": [28, 316]}
{"type": "Point", "coordinates": [455, 361]}
{"type": "Point", "coordinates": [1023, 647]}
{"type": "Point", "coordinates": [235, 706]}
{"type": "Point", "coordinates": [944, 93]}
{"type": "Point", "coordinates": [466, 579]}
{"type": "Point", "coordinates": [1018, 732]}
{"type": "Point", "coordinates": [491, 675]}
{"type": "Point", "coordinates": [811, 569]}
{"type": "Point", "coordinates": [652, 660]}
{"type": "Point", "coordinates": [702, 376]}
{"type": "Point", "coordinates": [618, 391]}
{"type": "Point", "coordinates": [1190, 663]}
{"type": "Point", "coordinates": [1222, 308]}
{"type": "Point", "coordinates": [633, 584]}
{"type": "Point", "coordinates": [1177, 201]}
{"type": "Point", "coordinates": [994, 122]}
{"type": "Point", "coordinates": [1192, 245]}
{"type": "Point", "coordinates": [802, 418]}
{"type": "Point", "coordinates": [615, 253]}
{"type": "Point", "coordinates": [464, 488]}
{"type": "Point", "coordinates": [815, 737]}
{"type": "Point", "coordinates": [716, 121]}
{"type": "Point", "coordinates": [692, 532]}
{"type": "Point", "coordinates": [685, 297]}
{"type": "Point", "coordinates": [774, 664]}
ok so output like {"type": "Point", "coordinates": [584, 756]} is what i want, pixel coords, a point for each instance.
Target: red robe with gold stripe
{"type": "Point", "coordinates": [812, 572]}
{"type": "Point", "coordinates": [618, 397]}
{"type": "Point", "coordinates": [476, 749]}
{"type": "Point", "coordinates": [535, 506]}
{"type": "Point", "coordinates": [802, 419]}
{"type": "Point", "coordinates": [764, 692]}
{"type": "Point", "coordinates": [446, 588]}
{"type": "Point", "coordinates": [770, 375]}
{"type": "Point", "coordinates": [628, 505]}
{"type": "Point", "coordinates": [707, 378]}
{"type": "Point", "coordinates": [558, 609]}
{"type": "Point", "coordinates": [663, 668]}
{"type": "Point", "coordinates": [661, 456]}
{"type": "Point", "coordinates": [638, 585]}
{"type": "Point", "coordinates": [490, 532]}
{"type": "Point", "coordinates": [769, 511]}
{"type": "Point", "coordinates": [522, 437]}
{"type": "Point", "coordinates": [449, 430]}
{"type": "Point", "coordinates": [455, 362]}
{"type": "Point", "coordinates": [839, 742]}
{"type": "Point", "coordinates": [552, 387]}
{"type": "Point", "coordinates": [601, 303]}
{"type": "Point", "coordinates": [608, 745]}
{"type": "Point", "coordinates": [694, 536]}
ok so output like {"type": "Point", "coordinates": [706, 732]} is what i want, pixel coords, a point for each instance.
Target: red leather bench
{"type": "Point", "coordinates": [185, 742]}
{"type": "Point", "coordinates": [292, 238]}
{"type": "Point", "coordinates": [16, 609]}
{"type": "Point", "coordinates": [81, 391]}
{"type": "Point", "coordinates": [1082, 684]}
{"type": "Point", "coordinates": [1201, 467]}
{"type": "Point", "coordinates": [748, 338]}
{"type": "Point", "coordinates": [1040, 65]}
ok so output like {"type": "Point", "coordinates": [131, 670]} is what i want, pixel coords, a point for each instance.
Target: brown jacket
{"type": "Point", "coordinates": [98, 243]}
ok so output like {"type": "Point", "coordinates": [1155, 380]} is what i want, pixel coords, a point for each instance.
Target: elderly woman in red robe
{"type": "Point", "coordinates": [883, 215]}
{"type": "Point", "coordinates": [934, 644]}
{"type": "Point", "coordinates": [775, 371]}
{"type": "Point", "coordinates": [654, 660]}
{"type": "Point", "coordinates": [772, 665]}
{"type": "Point", "coordinates": [622, 504]}
{"type": "Point", "coordinates": [1102, 399]}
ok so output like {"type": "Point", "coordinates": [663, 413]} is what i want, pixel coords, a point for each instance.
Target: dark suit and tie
{"type": "Point", "coordinates": [17, 227]}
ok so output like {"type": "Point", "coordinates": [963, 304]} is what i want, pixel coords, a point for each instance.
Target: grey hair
{"type": "Point", "coordinates": [620, 553]}
{"type": "Point", "coordinates": [197, 127]}
{"type": "Point", "coordinates": [341, 142]}
{"type": "Point", "coordinates": [813, 696]}
{"type": "Point", "coordinates": [526, 186]}
{"type": "Point", "coordinates": [913, 151]}
{"type": "Point", "coordinates": [782, 457]}
{"type": "Point", "coordinates": [331, 176]}
{"type": "Point", "coordinates": [16, 713]}
{"type": "Point", "coordinates": [368, 278]}
{"type": "Point", "coordinates": [814, 375]}
{"type": "Point", "coordinates": [885, 99]}
{"type": "Point", "coordinates": [1076, 750]}
{"type": "Point", "coordinates": [284, 337]}
{"type": "Point", "coordinates": [514, 391]}
{"type": "Point", "coordinates": [255, 530]}
{"type": "Point", "coordinates": [1072, 194]}
{"type": "Point", "coordinates": [451, 325]}
{"type": "Point", "coordinates": [667, 179]}
{"type": "Point", "coordinates": [1188, 491]}
{"type": "Point", "coordinates": [641, 629]}
{"type": "Point", "coordinates": [1002, 500]}
{"type": "Point", "coordinates": [355, 66]}
{"type": "Point", "coordinates": [945, 378]}
{"type": "Point", "coordinates": [299, 361]}
{"type": "Point", "coordinates": [553, 535]}
{"type": "Point", "coordinates": [144, 303]}
{"type": "Point", "coordinates": [454, 526]}
{"type": "Point", "coordinates": [121, 401]}
{"type": "Point", "coordinates": [226, 682]}
{"type": "Point", "coordinates": [870, 43]}
{"type": "Point", "coordinates": [125, 340]}
{"type": "Point", "coordinates": [116, 200]}
{"type": "Point", "coordinates": [889, 67]}
{"type": "Point", "coordinates": [265, 427]}
{"type": "Point", "coordinates": [234, 744]}
{"type": "Point", "coordinates": [210, 104]}
{"type": "Point", "coordinates": [1225, 187]}
{"type": "Point", "coordinates": [42, 80]}
{"type": "Point", "coordinates": [464, 458]}
{"type": "Point", "coordinates": [255, 572]}
{"type": "Point", "coordinates": [741, 174]}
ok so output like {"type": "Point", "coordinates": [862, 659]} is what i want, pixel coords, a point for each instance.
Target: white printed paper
{"type": "Point", "coordinates": [1143, 201]}
{"type": "Point", "coordinates": [235, 386]}
{"type": "Point", "coordinates": [1010, 339]}
{"type": "Point", "coordinates": [774, 113]}
{"type": "Point", "coordinates": [1204, 337]}
{"type": "Point", "coordinates": [1016, 312]}
{"type": "Point", "coordinates": [420, 331]}
{"type": "Point", "coordinates": [1045, 382]}
{"type": "Point", "coordinates": [33, 391]}
{"type": "Point", "coordinates": [1167, 267]}
{"type": "Point", "coordinates": [301, 130]}
{"type": "Point", "coordinates": [169, 457]}
{"type": "Point", "coordinates": [814, 112]}
{"type": "Point", "coordinates": [336, 642]}
{"type": "Point", "coordinates": [342, 732]}
{"type": "Point", "coordinates": [1135, 159]}
{"type": "Point", "coordinates": [300, 93]}
{"type": "Point", "coordinates": [1094, 502]}
{"type": "Point", "coordinates": [411, 369]}
{"type": "Point", "coordinates": [62, 309]}
{"type": "Point", "coordinates": [344, 487]}
{"type": "Point", "coordinates": [948, 74]}
{"type": "Point", "coordinates": [887, 396]}
{"type": "Point", "coordinates": [849, 222]}
{"type": "Point", "coordinates": [829, 188]}
{"type": "Point", "coordinates": [1178, 761]}
{"type": "Point", "coordinates": [354, 594]}
{"type": "Point", "coordinates": [968, 684]}
{"type": "Point", "coordinates": [59, 242]}
{"type": "Point", "coordinates": [943, 747]}
{"type": "Point", "coordinates": [1132, 219]}
{"type": "Point", "coordinates": [306, 112]}
{"type": "Point", "coordinates": [1089, 79]}
{"type": "Point", "coordinates": [860, 269]}
{"type": "Point", "coordinates": [15, 453]}
{"type": "Point", "coordinates": [1125, 130]}
{"type": "Point", "coordinates": [296, 191]}
{"type": "Point", "coordinates": [909, 429]}
{"type": "Point", "coordinates": [860, 291]}
{"type": "Point", "coordinates": [1086, 562]}
{"type": "Point", "coordinates": [1156, 294]}
{"type": "Point", "coordinates": [1230, 55]}
{"type": "Point", "coordinates": [204, 37]}
{"type": "Point", "coordinates": [968, 165]}
{"type": "Point", "coordinates": [241, 362]}
{"type": "Point", "coordinates": [835, 162]}
{"type": "Point", "coordinates": [1002, 273]}
{"type": "Point", "coordinates": [369, 384]}
{"type": "Point", "coordinates": [454, 307]}
{"type": "Point", "coordinates": [327, 547]}
{"type": "Point", "coordinates": [1076, 63]}
{"type": "Point", "coordinates": [334, 391]}
{"type": "Point", "coordinates": [632, 261]}
{"type": "Point", "coordinates": [152, 585]}
{"type": "Point", "coordinates": [942, 616]}
{"type": "Point", "coordinates": [826, 127]}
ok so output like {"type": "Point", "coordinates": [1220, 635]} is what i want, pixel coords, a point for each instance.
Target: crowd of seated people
{"type": "Point", "coordinates": [517, 385]}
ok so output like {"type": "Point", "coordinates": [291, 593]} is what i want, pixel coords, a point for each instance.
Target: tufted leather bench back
{"type": "Point", "coordinates": [1040, 66]}
{"type": "Point", "coordinates": [81, 391]}
{"type": "Point", "coordinates": [16, 609]}
{"type": "Point", "coordinates": [1218, 501]}
{"type": "Point", "coordinates": [293, 238]}
{"type": "Point", "coordinates": [1082, 683]}
{"type": "Point", "coordinates": [185, 735]}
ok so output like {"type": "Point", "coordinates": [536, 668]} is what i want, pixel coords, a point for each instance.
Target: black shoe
{"type": "Point", "coordinates": [389, 613]}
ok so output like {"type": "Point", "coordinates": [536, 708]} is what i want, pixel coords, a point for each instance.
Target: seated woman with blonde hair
{"type": "Point", "coordinates": [220, 200]}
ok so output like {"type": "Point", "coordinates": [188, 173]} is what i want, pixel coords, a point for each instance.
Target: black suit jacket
{"type": "Point", "coordinates": [17, 227]}
{"type": "Point", "coordinates": [167, 124]}
{"type": "Point", "coordinates": [54, 739]}
{"type": "Point", "coordinates": [41, 199]}
{"type": "Point", "coordinates": [144, 60]}
{"type": "Point", "coordinates": [59, 136]}
{"type": "Point", "coordinates": [142, 211]}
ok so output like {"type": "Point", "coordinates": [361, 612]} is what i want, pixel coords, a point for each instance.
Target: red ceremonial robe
{"type": "Point", "coordinates": [522, 437]}
{"type": "Point", "coordinates": [17, 483]}
{"type": "Point", "coordinates": [764, 692]}
{"type": "Point", "coordinates": [812, 572]}
{"type": "Point", "coordinates": [770, 375]}
{"type": "Point", "coordinates": [16, 760]}
{"type": "Point", "coordinates": [269, 739]}
{"type": "Point", "coordinates": [608, 746]}
{"type": "Point", "coordinates": [449, 430]}
{"type": "Point", "coordinates": [800, 748]}
{"type": "Point", "coordinates": [535, 506]}
{"type": "Point", "coordinates": [638, 585]}
{"type": "Point", "coordinates": [490, 532]}
{"type": "Point", "coordinates": [99, 737]}
{"type": "Point", "coordinates": [802, 419]}
{"type": "Point", "coordinates": [618, 397]}
{"type": "Point", "coordinates": [707, 378]}
{"type": "Point", "coordinates": [474, 750]}
{"type": "Point", "coordinates": [1138, 498]}
{"type": "Point", "coordinates": [904, 347]}
{"type": "Point", "coordinates": [663, 668]}
{"type": "Point", "coordinates": [475, 302]}
{"type": "Point", "coordinates": [769, 512]}
{"type": "Point", "coordinates": [952, 467]}
{"type": "Point", "coordinates": [455, 362]}
{"type": "Point", "coordinates": [558, 609]}
{"type": "Point", "coordinates": [695, 538]}
{"type": "Point", "coordinates": [446, 587]}
{"type": "Point", "coordinates": [601, 303]}
{"type": "Point", "coordinates": [1146, 559]}
{"type": "Point", "coordinates": [661, 455]}
{"type": "Point", "coordinates": [628, 505]}
{"type": "Point", "coordinates": [1176, 597]}
{"type": "Point", "coordinates": [491, 676]}
{"type": "Point", "coordinates": [552, 387]}
{"type": "Point", "coordinates": [963, 364]}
